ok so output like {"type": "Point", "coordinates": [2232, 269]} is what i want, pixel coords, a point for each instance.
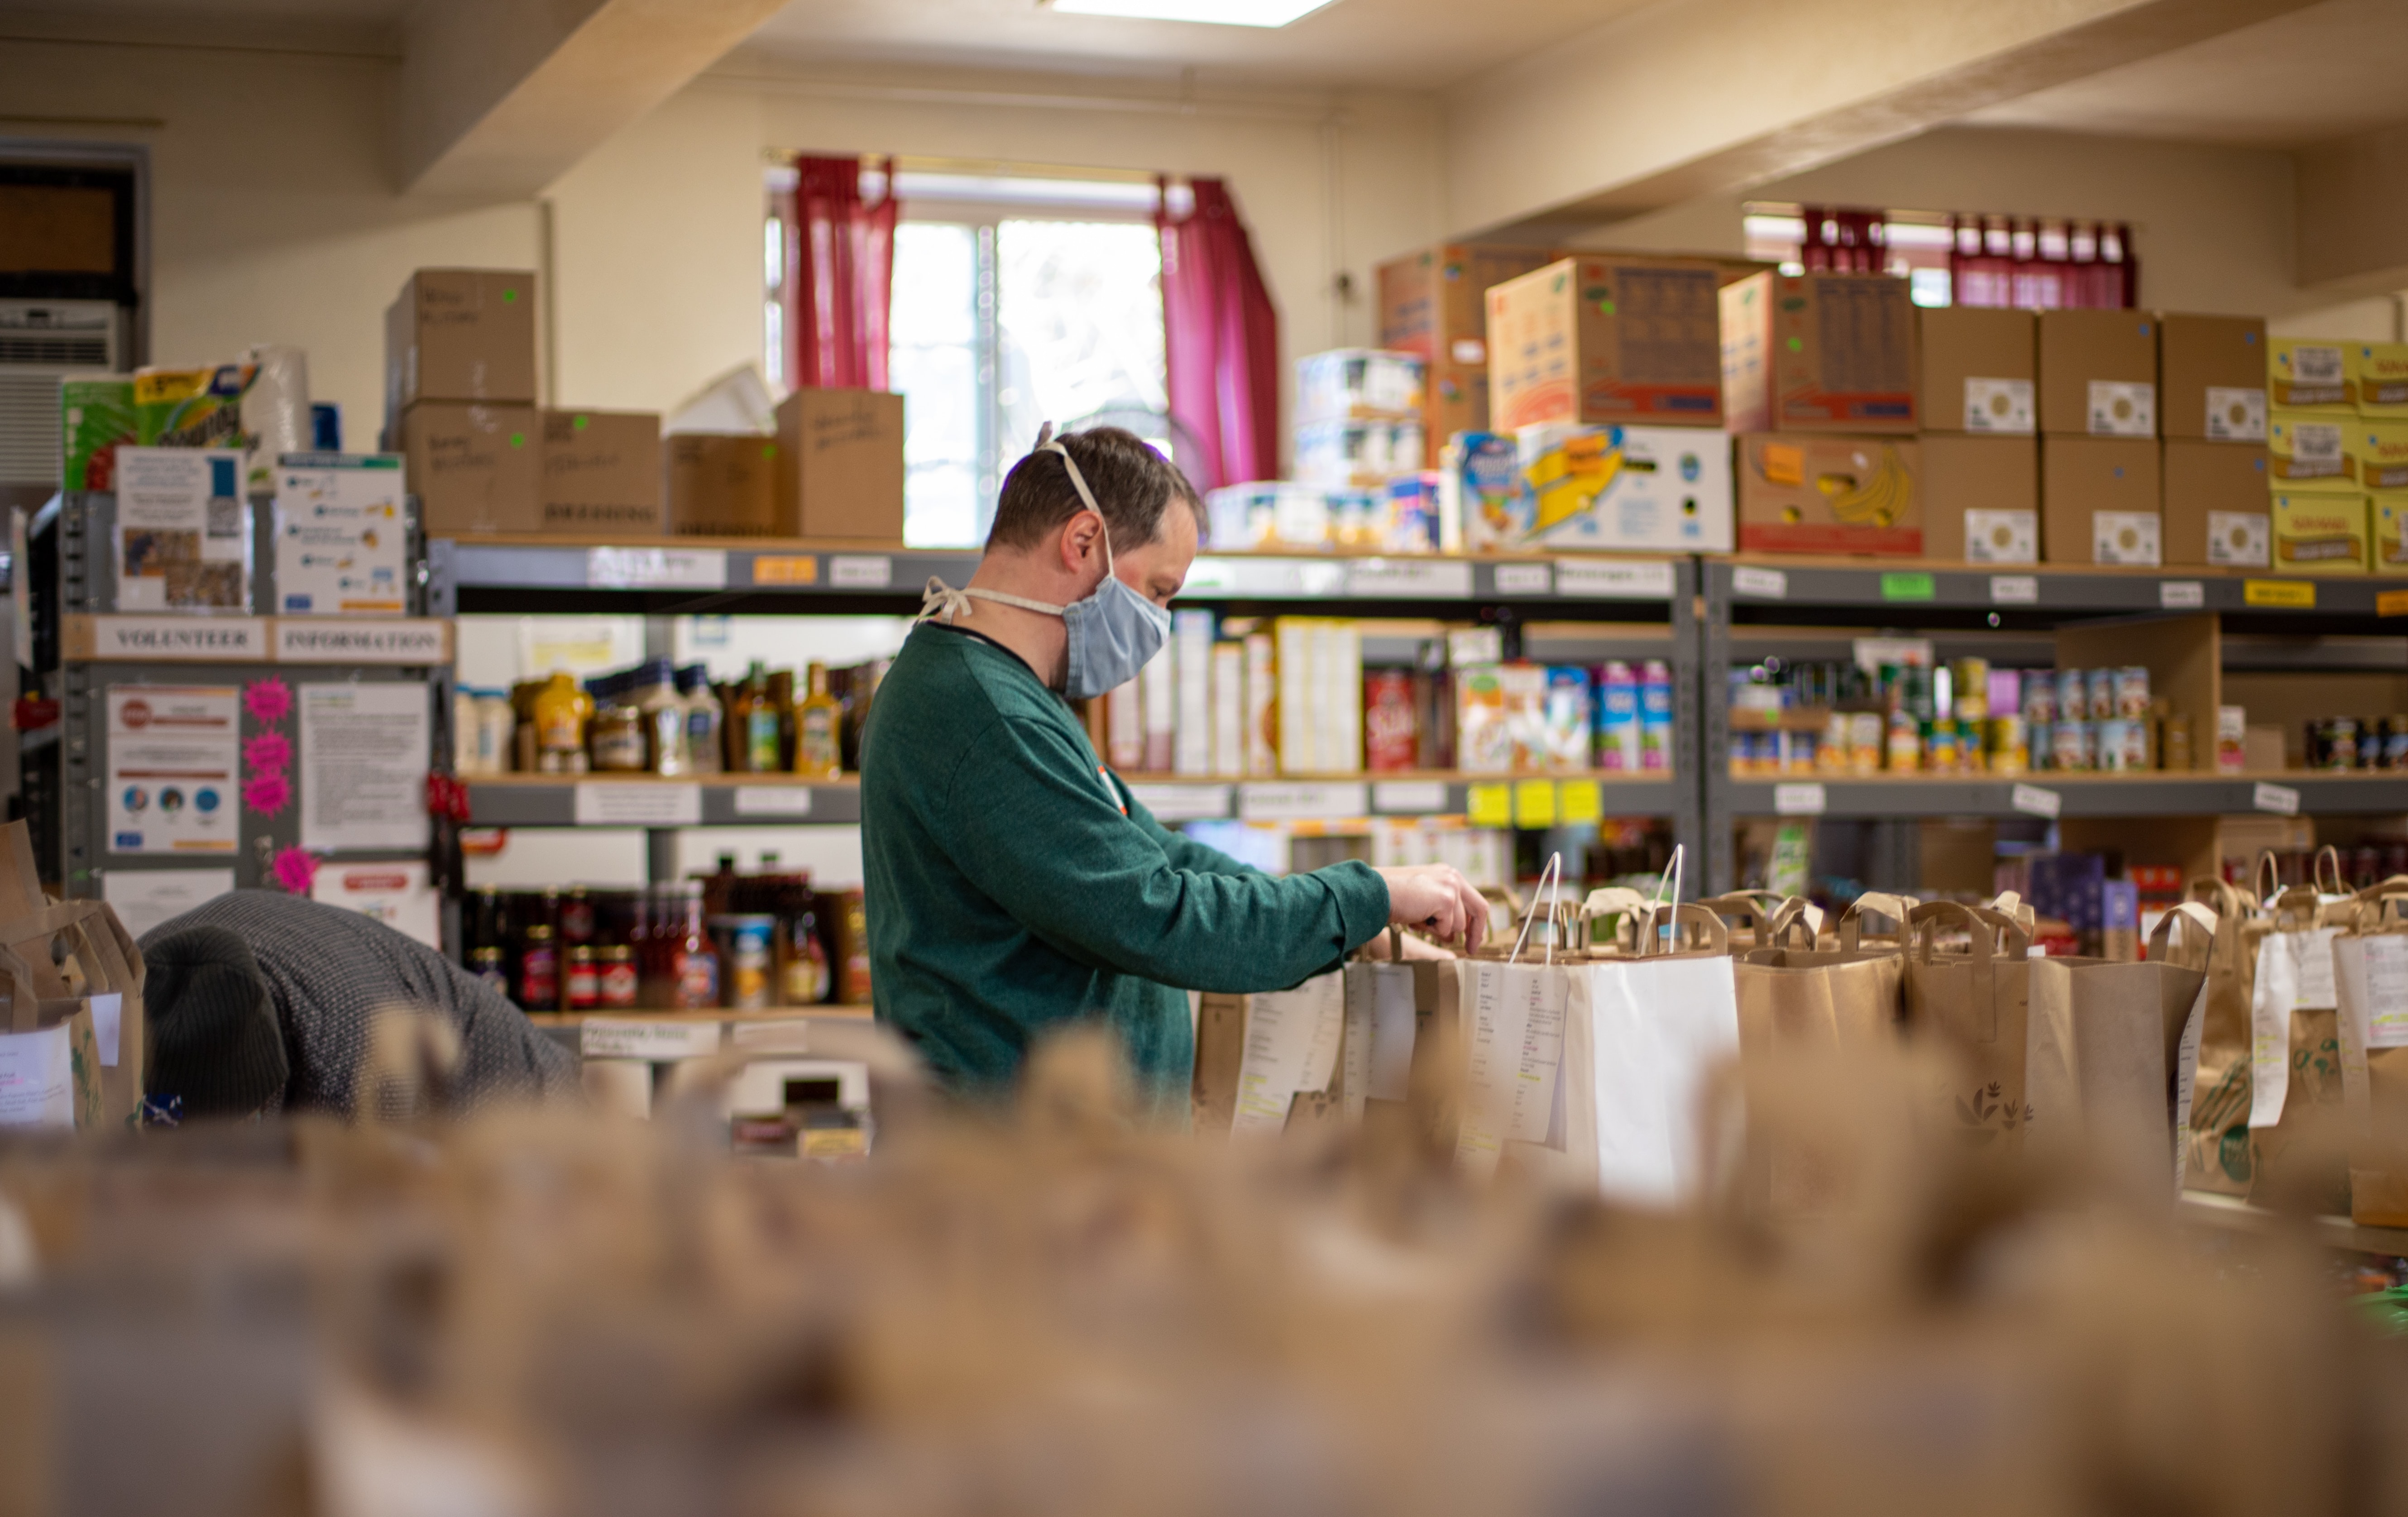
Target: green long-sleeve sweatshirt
{"type": "Point", "coordinates": [1013, 885]}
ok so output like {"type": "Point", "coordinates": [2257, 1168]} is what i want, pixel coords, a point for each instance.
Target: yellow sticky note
{"type": "Point", "coordinates": [800, 570]}
{"type": "Point", "coordinates": [1534, 803]}
{"type": "Point", "coordinates": [1488, 805]}
{"type": "Point", "coordinates": [1578, 801]}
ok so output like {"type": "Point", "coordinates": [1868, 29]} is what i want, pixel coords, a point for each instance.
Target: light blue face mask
{"type": "Point", "coordinates": [1113, 631]}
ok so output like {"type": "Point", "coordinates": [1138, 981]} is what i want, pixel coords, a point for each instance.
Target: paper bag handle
{"type": "Point", "coordinates": [1553, 874]}
{"type": "Point", "coordinates": [1890, 907]}
{"type": "Point", "coordinates": [2316, 874]}
{"type": "Point", "coordinates": [2226, 899]}
{"type": "Point", "coordinates": [1926, 918]}
{"type": "Point", "coordinates": [1665, 922]}
{"type": "Point", "coordinates": [2294, 910]}
{"type": "Point", "coordinates": [2266, 878]}
{"type": "Point", "coordinates": [2201, 921]}
{"type": "Point", "coordinates": [2008, 904]}
{"type": "Point", "coordinates": [1794, 916]}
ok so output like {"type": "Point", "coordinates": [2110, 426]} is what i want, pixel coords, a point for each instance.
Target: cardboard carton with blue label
{"type": "Point", "coordinates": [1609, 489]}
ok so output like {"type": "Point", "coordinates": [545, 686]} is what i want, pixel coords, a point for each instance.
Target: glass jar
{"type": "Point", "coordinates": [744, 953]}
{"type": "Point", "coordinates": [535, 986]}
{"type": "Point", "coordinates": [584, 979]}
{"type": "Point", "coordinates": [618, 982]}
{"type": "Point", "coordinates": [618, 744]}
{"type": "Point", "coordinates": [560, 713]}
{"type": "Point", "coordinates": [680, 968]}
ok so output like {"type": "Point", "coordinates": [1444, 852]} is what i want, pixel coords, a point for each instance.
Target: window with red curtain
{"type": "Point", "coordinates": [1956, 258]}
{"type": "Point", "coordinates": [837, 277]}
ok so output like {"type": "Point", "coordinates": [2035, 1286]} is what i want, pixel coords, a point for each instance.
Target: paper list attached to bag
{"type": "Point", "coordinates": [37, 1078]}
{"type": "Point", "coordinates": [2387, 991]}
{"type": "Point", "coordinates": [2186, 1074]}
{"type": "Point", "coordinates": [2295, 973]}
{"type": "Point", "coordinates": [1517, 1055]}
{"type": "Point", "coordinates": [1290, 1035]}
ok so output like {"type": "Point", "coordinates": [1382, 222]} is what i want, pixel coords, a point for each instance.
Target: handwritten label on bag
{"type": "Point", "coordinates": [108, 1016]}
{"type": "Point", "coordinates": [2187, 1075]}
{"type": "Point", "coordinates": [37, 1078]}
{"type": "Point", "coordinates": [1284, 1038]}
{"type": "Point", "coordinates": [2387, 991]}
{"type": "Point", "coordinates": [2295, 973]}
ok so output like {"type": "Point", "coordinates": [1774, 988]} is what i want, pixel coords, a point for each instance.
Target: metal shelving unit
{"type": "Point", "coordinates": [1757, 607]}
{"type": "Point", "coordinates": [1561, 608]}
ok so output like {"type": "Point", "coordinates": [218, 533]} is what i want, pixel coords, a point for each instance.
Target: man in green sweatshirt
{"type": "Point", "coordinates": [1013, 882]}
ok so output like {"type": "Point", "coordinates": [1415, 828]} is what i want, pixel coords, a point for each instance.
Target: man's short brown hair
{"type": "Point", "coordinates": [1133, 485]}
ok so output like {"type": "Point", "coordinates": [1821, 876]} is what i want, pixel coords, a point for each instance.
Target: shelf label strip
{"type": "Point", "coordinates": [2031, 800]}
{"type": "Point", "coordinates": [609, 1038]}
{"type": "Point", "coordinates": [2281, 800]}
{"type": "Point", "coordinates": [606, 803]}
{"type": "Point", "coordinates": [1804, 799]}
{"type": "Point", "coordinates": [773, 800]}
{"type": "Point", "coordinates": [656, 569]}
{"type": "Point", "coordinates": [1588, 580]}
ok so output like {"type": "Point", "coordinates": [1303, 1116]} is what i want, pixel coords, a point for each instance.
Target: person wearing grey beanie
{"type": "Point", "coordinates": [260, 1002]}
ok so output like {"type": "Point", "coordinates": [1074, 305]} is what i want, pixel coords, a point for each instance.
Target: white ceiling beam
{"type": "Point", "coordinates": [1697, 98]}
{"type": "Point", "coordinates": [501, 98]}
{"type": "Point", "coordinates": [2352, 227]}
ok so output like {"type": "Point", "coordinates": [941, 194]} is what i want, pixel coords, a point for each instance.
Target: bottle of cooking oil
{"type": "Point", "coordinates": [819, 729]}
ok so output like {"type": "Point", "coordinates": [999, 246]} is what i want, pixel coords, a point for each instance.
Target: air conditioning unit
{"type": "Point", "coordinates": [42, 342]}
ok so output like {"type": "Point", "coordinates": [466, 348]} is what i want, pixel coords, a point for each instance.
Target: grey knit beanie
{"type": "Point", "coordinates": [215, 1041]}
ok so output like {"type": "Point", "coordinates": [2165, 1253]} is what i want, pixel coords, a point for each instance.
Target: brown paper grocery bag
{"type": "Point", "coordinates": [1976, 1002]}
{"type": "Point", "coordinates": [75, 951]}
{"type": "Point", "coordinates": [2297, 1142]}
{"type": "Point", "coordinates": [2120, 1098]}
{"type": "Point", "coordinates": [2370, 1022]}
{"type": "Point", "coordinates": [2219, 1159]}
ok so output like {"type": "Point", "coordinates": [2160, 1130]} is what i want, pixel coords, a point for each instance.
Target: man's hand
{"type": "Point", "coordinates": [1437, 898]}
{"type": "Point", "coordinates": [1416, 947]}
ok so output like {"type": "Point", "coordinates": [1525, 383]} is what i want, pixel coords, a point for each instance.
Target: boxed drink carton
{"type": "Point", "coordinates": [602, 472]}
{"type": "Point", "coordinates": [2215, 504]}
{"type": "Point", "coordinates": [2377, 375]}
{"type": "Point", "coordinates": [1818, 352]}
{"type": "Point", "coordinates": [2389, 512]}
{"type": "Point", "coordinates": [2308, 374]}
{"type": "Point", "coordinates": [1479, 498]}
{"type": "Point", "coordinates": [461, 334]}
{"type": "Point", "coordinates": [2322, 532]}
{"type": "Point", "coordinates": [1980, 367]}
{"type": "Point", "coordinates": [1650, 488]}
{"type": "Point", "coordinates": [1814, 495]}
{"type": "Point", "coordinates": [474, 468]}
{"type": "Point", "coordinates": [2378, 453]}
{"type": "Point", "coordinates": [1435, 302]}
{"type": "Point", "coordinates": [1981, 498]}
{"type": "Point", "coordinates": [2309, 450]}
{"type": "Point", "coordinates": [2101, 500]}
{"type": "Point", "coordinates": [2212, 377]}
{"type": "Point", "coordinates": [1364, 454]}
{"type": "Point", "coordinates": [839, 465]}
{"type": "Point", "coordinates": [2098, 373]}
{"type": "Point", "coordinates": [1608, 341]}
{"type": "Point", "coordinates": [1364, 382]}
{"type": "Point", "coordinates": [1269, 513]}
{"type": "Point", "coordinates": [724, 485]}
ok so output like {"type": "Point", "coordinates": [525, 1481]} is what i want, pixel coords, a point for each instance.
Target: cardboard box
{"type": "Point", "coordinates": [1980, 367]}
{"type": "Point", "coordinates": [2378, 453]}
{"type": "Point", "coordinates": [1613, 341]}
{"type": "Point", "coordinates": [2098, 373]}
{"type": "Point", "coordinates": [723, 485]}
{"type": "Point", "coordinates": [841, 465]}
{"type": "Point", "coordinates": [460, 334]}
{"type": "Point", "coordinates": [1802, 493]}
{"type": "Point", "coordinates": [2308, 374]}
{"type": "Point", "coordinates": [474, 468]}
{"type": "Point", "coordinates": [1457, 401]}
{"type": "Point", "coordinates": [2215, 504]}
{"type": "Point", "coordinates": [1819, 352]}
{"type": "Point", "coordinates": [602, 472]}
{"type": "Point", "coordinates": [2390, 516]}
{"type": "Point", "coordinates": [1664, 489]}
{"type": "Point", "coordinates": [2320, 533]}
{"type": "Point", "coordinates": [2212, 377]}
{"type": "Point", "coordinates": [2377, 376]}
{"type": "Point", "coordinates": [2099, 499]}
{"type": "Point", "coordinates": [1981, 498]}
{"type": "Point", "coordinates": [2309, 451]}
{"type": "Point", "coordinates": [1435, 302]}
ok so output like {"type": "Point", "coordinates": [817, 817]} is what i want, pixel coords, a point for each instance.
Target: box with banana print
{"type": "Point", "coordinates": [1801, 493]}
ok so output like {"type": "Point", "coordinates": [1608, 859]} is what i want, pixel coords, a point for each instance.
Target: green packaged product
{"type": "Point", "coordinates": [95, 415]}
{"type": "Point", "coordinates": [192, 407]}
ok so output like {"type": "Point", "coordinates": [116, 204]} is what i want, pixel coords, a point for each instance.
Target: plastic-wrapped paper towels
{"type": "Point", "coordinates": [275, 412]}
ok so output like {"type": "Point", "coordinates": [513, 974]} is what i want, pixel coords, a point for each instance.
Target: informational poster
{"type": "Point", "coordinates": [182, 538]}
{"type": "Point", "coordinates": [364, 759]}
{"type": "Point", "coordinates": [172, 752]}
{"type": "Point", "coordinates": [144, 898]}
{"type": "Point", "coordinates": [342, 543]}
{"type": "Point", "coordinates": [401, 895]}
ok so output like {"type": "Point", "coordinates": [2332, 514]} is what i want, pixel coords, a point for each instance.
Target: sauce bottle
{"type": "Point", "coordinates": [560, 713]}
{"type": "Point", "coordinates": [753, 726]}
{"type": "Point", "coordinates": [819, 729]}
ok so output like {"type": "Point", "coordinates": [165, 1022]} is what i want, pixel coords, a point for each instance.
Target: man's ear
{"type": "Point", "coordinates": [1080, 536]}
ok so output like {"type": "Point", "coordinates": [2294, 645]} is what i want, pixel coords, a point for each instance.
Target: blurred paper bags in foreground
{"type": "Point", "coordinates": [75, 1010]}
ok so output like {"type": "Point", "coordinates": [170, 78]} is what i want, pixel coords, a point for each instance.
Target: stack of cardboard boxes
{"type": "Point", "coordinates": [460, 406]}
{"type": "Point", "coordinates": [1980, 444]}
{"type": "Point", "coordinates": [1819, 370]}
{"type": "Point", "coordinates": [2211, 415]}
{"type": "Point", "coordinates": [2339, 445]}
{"type": "Point", "coordinates": [1434, 304]}
{"type": "Point", "coordinates": [1605, 405]}
{"type": "Point", "coordinates": [482, 457]}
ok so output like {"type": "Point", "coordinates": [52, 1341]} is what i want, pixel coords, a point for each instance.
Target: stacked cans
{"type": "Point", "coordinates": [2085, 720]}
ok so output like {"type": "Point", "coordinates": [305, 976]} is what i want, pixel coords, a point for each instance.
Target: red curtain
{"type": "Point", "coordinates": [1844, 241]}
{"type": "Point", "coordinates": [2020, 262]}
{"type": "Point", "coordinates": [840, 277]}
{"type": "Point", "coordinates": [1220, 340]}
